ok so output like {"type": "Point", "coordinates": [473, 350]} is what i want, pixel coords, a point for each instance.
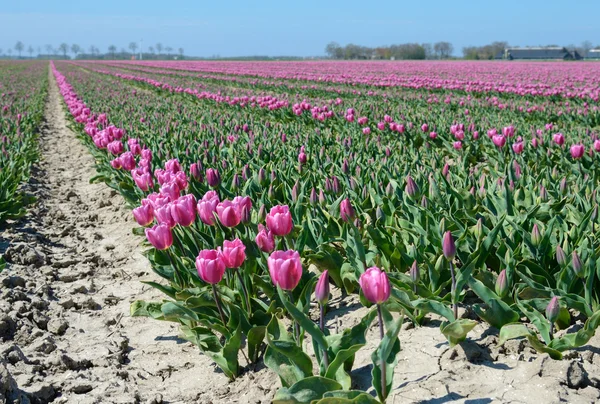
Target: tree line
{"type": "Point", "coordinates": [487, 52]}
{"type": "Point", "coordinates": [406, 51]}
{"type": "Point", "coordinates": [157, 51]}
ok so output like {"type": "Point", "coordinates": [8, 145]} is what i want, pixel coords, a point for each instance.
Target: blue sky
{"type": "Point", "coordinates": [288, 27]}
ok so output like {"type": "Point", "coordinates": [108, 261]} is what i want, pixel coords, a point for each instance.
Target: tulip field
{"type": "Point", "coordinates": [22, 93]}
{"type": "Point", "coordinates": [463, 192]}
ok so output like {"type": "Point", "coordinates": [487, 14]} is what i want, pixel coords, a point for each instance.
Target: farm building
{"type": "Point", "coordinates": [593, 54]}
{"type": "Point", "coordinates": [559, 53]}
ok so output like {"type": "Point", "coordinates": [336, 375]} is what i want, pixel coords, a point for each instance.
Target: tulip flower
{"type": "Point", "coordinates": [577, 265]}
{"type": "Point", "coordinates": [577, 151]}
{"type": "Point", "coordinates": [561, 257]}
{"type": "Point", "coordinates": [302, 158]}
{"type": "Point", "coordinates": [233, 253]}
{"type": "Point", "coordinates": [207, 207]}
{"type": "Point", "coordinates": [144, 215]}
{"type": "Point", "coordinates": [322, 289]}
{"type": "Point", "coordinates": [411, 187]}
{"type": "Point", "coordinates": [517, 147]}
{"type": "Point", "coordinates": [375, 285]}
{"type": "Point", "coordinates": [211, 268]}
{"type": "Point", "coordinates": [558, 138]}
{"type": "Point", "coordinates": [212, 177]}
{"type": "Point", "coordinates": [160, 236]}
{"type": "Point", "coordinates": [536, 236]}
{"type": "Point", "coordinates": [279, 220]}
{"type": "Point", "coordinates": [183, 210]}
{"type": "Point", "coordinates": [127, 161]}
{"type": "Point", "coordinates": [347, 212]}
{"type": "Point", "coordinates": [376, 288]}
{"type": "Point", "coordinates": [285, 269]}
{"type": "Point", "coordinates": [163, 215]}
{"type": "Point", "coordinates": [264, 239]}
{"type": "Point", "coordinates": [229, 213]}
{"type": "Point", "coordinates": [142, 179]}
{"type": "Point", "coordinates": [499, 140]}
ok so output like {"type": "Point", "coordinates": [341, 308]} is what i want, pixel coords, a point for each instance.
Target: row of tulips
{"type": "Point", "coordinates": [443, 223]}
{"type": "Point", "coordinates": [23, 89]}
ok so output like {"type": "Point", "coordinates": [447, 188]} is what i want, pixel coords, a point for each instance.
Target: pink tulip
{"type": "Point", "coordinates": [127, 161]}
{"type": "Point", "coordinates": [233, 253]}
{"type": "Point", "coordinates": [285, 269]}
{"type": "Point", "coordinates": [229, 213]}
{"type": "Point", "coordinates": [183, 210]}
{"type": "Point", "coordinates": [115, 147]}
{"type": "Point", "coordinates": [265, 239]}
{"type": "Point", "coordinates": [424, 127]}
{"type": "Point", "coordinates": [517, 147]}
{"type": "Point", "coordinates": [142, 179]}
{"type": "Point", "coordinates": [279, 220]}
{"type": "Point", "coordinates": [302, 158]}
{"type": "Point", "coordinates": [210, 266]}
{"type": "Point", "coordinates": [448, 246]}
{"type": "Point", "coordinates": [212, 177]}
{"type": "Point", "coordinates": [170, 190]}
{"type": "Point", "coordinates": [163, 215]}
{"type": "Point", "coordinates": [457, 145]}
{"type": "Point", "coordinates": [375, 285]}
{"type": "Point", "coordinates": [207, 207]}
{"type": "Point", "coordinates": [144, 214]}
{"type": "Point", "coordinates": [558, 138]}
{"type": "Point", "coordinates": [173, 166]}
{"type": "Point", "coordinates": [577, 151]}
{"type": "Point", "coordinates": [499, 140]}
{"type": "Point", "coordinates": [597, 145]}
{"type": "Point", "coordinates": [116, 164]}
{"type": "Point", "coordinates": [195, 172]}
{"type": "Point", "coordinates": [322, 288]}
{"type": "Point", "coordinates": [366, 131]}
{"type": "Point", "coordinates": [347, 212]}
{"type": "Point", "coordinates": [160, 236]}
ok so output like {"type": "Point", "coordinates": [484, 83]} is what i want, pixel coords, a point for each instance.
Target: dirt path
{"type": "Point", "coordinates": [66, 335]}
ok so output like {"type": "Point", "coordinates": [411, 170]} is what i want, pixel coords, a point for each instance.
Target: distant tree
{"type": "Point", "coordinates": [133, 47]}
{"type": "Point", "coordinates": [585, 47]}
{"type": "Point", "coordinates": [48, 48]}
{"type": "Point", "coordinates": [168, 49]}
{"type": "Point", "coordinates": [39, 50]}
{"type": "Point", "coordinates": [19, 47]}
{"type": "Point", "coordinates": [334, 50]}
{"type": "Point", "coordinates": [151, 50]}
{"type": "Point", "coordinates": [30, 51]}
{"type": "Point", "coordinates": [75, 49]}
{"type": "Point", "coordinates": [428, 48]}
{"type": "Point", "coordinates": [180, 52]}
{"type": "Point", "coordinates": [159, 48]}
{"type": "Point", "coordinates": [443, 50]}
{"type": "Point", "coordinates": [112, 49]}
{"type": "Point", "coordinates": [0, 51]}
{"type": "Point", "coordinates": [9, 51]}
{"type": "Point", "coordinates": [64, 48]}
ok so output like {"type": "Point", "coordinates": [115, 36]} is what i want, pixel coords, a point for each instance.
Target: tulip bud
{"type": "Point", "coordinates": [415, 274]}
{"type": "Point", "coordinates": [502, 284]}
{"type": "Point", "coordinates": [213, 177]}
{"type": "Point", "coordinates": [322, 199]}
{"type": "Point", "coordinates": [424, 202]}
{"type": "Point", "coordinates": [553, 309]}
{"type": "Point", "coordinates": [271, 192]}
{"type": "Point", "coordinates": [543, 193]}
{"type": "Point", "coordinates": [536, 237]}
{"type": "Point", "coordinates": [479, 228]}
{"type": "Point", "coordinates": [322, 288]}
{"type": "Point", "coordinates": [561, 257]}
{"type": "Point", "coordinates": [262, 213]}
{"type": "Point", "coordinates": [577, 265]}
{"type": "Point", "coordinates": [389, 190]}
{"type": "Point", "coordinates": [313, 197]}
{"type": "Point", "coordinates": [446, 170]}
{"type": "Point", "coordinates": [347, 212]}
{"type": "Point", "coordinates": [379, 214]}
{"type": "Point", "coordinates": [448, 246]}
{"type": "Point", "coordinates": [295, 192]}
{"type": "Point", "coordinates": [563, 186]}
{"type": "Point", "coordinates": [411, 187]}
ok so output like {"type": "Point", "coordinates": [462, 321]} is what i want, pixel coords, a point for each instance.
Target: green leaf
{"type": "Point", "coordinates": [579, 338]}
{"type": "Point", "coordinates": [336, 367]}
{"type": "Point", "coordinates": [140, 308]}
{"type": "Point", "coordinates": [432, 306]}
{"type": "Point", "coordinates": [305, 391]}
{"type": "Point", "coordinates": [256, 336]}
{"type": "Point", "coordinates": [456, 331]}
{"type": "Point", "coordinates": [347, 397]}
{"type": "Point", "coordinates": [497, 313]}
{"type": "Point", "coordinates": [513, 331]}
{"type": "Point", "coordinates": [283, 356]}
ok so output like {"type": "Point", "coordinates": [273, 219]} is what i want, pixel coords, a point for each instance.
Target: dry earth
{"type": "Point", "coordinates": [66, 336]}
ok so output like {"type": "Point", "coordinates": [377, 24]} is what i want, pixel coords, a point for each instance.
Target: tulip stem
{"type": "Point", "coordinates": [453, 291]}
{"type": "Point", "coordinates": [295, 326]}
{"type": "Point", "coordinates": [178, 279]}
{"type": "Point", "coordinates": [244, 290]}
{"type": "Point", "coordinates": [551, 331]}
{"type": "Point", "coordinates": [322, 326]}
{"type": "Point", "coordinates": [382, 362]}
{"type": "Point", "coordinates": [218, 302]}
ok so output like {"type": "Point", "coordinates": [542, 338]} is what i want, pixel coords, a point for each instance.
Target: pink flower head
{"type": "Point", "coordinates": [229, 213]}
{"type": "Point", "coordinates": [142, 179]}
{"type": "Point", "coordinates": [499, 140]}
{"type": "Point", "coordinates": [207, 207]}
{"type": "Point", "coordinates": [183, 210]}
{"type": "Point", "coordinates": [160, 236]}
{"type": "Point", "coordinates": [347, 212]}
{"type": "Point", "coordinates": [163, 215]}
{"type": "Point", "coordinates": [577, 151]}
{"type": "Point", "coordinates": [265, 239]}
{"type": "Point", "coordinates": [285, 269]}
{"type": "Point", "coordinates": [279, 220]}
{"type": "Point", "coordinates": [517, 147]}
{"type": "Point", "coordinates": [144, 214]}
{"type": "Point", "coordinates": [173, 166]}
{"type": "Point", "coordinates": [233, 253]}
{"type": "Point", "coordinates": [375, 285]}
{"type": "Point", "coordinates": [127, 161]}
{"type": "Point", "coordinates": [210, 266]}
{"type": "Point", "coordinates": [558, 138]}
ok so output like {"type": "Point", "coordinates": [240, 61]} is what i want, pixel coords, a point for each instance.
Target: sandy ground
{"type": "Point", "coordinates": [66, 335]}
